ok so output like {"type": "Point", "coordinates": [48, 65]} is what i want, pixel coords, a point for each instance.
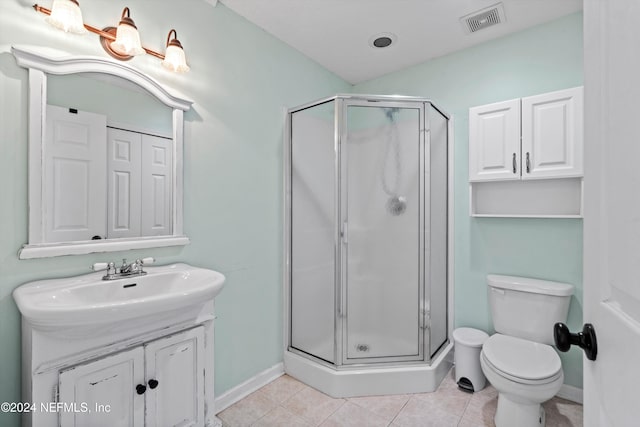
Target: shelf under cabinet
{"type": "Point", "coordinates": [542, 198]}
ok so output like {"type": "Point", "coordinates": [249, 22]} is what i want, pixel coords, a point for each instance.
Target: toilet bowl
{"type": "Point", "coordinates": [525, 374]}
{"type": "Point", "coordinates": [518, 360]}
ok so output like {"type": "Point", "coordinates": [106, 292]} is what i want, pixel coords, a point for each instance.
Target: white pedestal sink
{"type": "Point", "coordinates": [141, 345]}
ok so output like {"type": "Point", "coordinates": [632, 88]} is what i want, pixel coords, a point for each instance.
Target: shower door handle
{"type": "Point", "coordinates": [344, 233]}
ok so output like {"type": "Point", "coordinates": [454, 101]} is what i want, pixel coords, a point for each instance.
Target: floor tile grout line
{"type": "Point", "coordinates": [377, 415]}
{"type": "Point", "coordinates": [403, 406]}
{"type": "Point", "coordinates": [336, 410]}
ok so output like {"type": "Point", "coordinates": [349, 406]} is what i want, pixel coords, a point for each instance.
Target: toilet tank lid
{"type": "Point", "coordinates": [527, 284]}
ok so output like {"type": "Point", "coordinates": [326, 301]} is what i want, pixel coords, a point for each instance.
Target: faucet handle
{"type": "Point", "coordinates": [98, 266]}
{"type": "Point", "coordinates": [109, 266]}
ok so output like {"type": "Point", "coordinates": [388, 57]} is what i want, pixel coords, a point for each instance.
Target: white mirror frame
{"type": "Point", "coordinates": [42, 61]}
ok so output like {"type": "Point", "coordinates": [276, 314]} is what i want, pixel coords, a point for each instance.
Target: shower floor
{"type": "Point", "coordinates": [287, 402]}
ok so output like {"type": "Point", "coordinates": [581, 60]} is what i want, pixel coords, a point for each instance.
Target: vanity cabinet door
{"type": "Point", "coordinates": [552, 135]}
{"type": "Point", "coordinates": [494, 141]}
{"type": "Point", "coordinates": [175, 380]}
{"type": "Point", "coordinates": [104, 392]}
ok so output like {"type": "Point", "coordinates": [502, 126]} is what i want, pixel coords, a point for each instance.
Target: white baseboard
{"type": "Point", "coordinates": [571, 393]}
{"type": "Point", "coordinates": [241, 391]}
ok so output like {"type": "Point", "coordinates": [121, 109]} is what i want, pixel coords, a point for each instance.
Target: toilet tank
{"type": "Point", "coordinates": [528, 308]}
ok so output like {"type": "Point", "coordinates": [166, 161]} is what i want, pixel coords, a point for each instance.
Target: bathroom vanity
{"type": "Point", "coordinates": [135, 351]}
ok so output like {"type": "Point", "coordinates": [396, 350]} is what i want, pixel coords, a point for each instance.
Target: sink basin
{"type": "Point", "coordinates": [89, 300]}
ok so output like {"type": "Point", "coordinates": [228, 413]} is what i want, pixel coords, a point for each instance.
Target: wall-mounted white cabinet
{"type": "Point", "coordinates": [494, 141]}
{"type": "Point", "coordinates": [534, 138]}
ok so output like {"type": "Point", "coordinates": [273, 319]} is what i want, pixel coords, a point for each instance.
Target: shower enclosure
{"type": "Point", "coordinates": [366, 224]}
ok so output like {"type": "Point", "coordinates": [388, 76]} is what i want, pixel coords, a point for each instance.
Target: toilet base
{"type": "Point", "coordinates": [516, 413]}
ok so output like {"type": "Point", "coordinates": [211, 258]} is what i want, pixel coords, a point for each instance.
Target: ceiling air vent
{"type": "Point", "coordinates": [484, 18]}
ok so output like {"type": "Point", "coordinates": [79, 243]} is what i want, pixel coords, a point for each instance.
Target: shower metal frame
{"type": "Point", "coordinates": [342, 101]}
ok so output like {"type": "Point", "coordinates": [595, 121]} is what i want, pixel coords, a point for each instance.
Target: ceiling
{"type": "Point", "coordinates": [337, 33]}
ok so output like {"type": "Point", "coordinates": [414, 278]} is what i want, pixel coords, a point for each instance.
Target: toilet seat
{"type": "Point", "coordinates": [521, 361]}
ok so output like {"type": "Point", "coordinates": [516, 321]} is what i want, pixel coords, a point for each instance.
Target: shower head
{"type": "Point", "coordinates": [390, 112]}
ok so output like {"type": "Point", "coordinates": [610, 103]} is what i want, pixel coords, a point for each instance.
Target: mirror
{"type": "Point", "coordinates": [105, 157]}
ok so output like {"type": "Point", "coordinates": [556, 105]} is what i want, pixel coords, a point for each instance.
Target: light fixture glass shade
{"type": "Point", "coordinates": [127, 37]}
{"type": "Point", "coordinates": [175, 60]}
{"type": "Point", "coordinates": [67, 16]}
{"type": "Point", "coordinates": [127, 41]}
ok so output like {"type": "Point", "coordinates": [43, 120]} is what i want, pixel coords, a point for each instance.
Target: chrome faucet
{"type": "Point", "coordinates": [125, 270]}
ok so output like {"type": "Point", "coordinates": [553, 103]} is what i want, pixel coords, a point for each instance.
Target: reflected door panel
{"type": "Point", "coordinates": [75, 175]}
{"type": "Point", "coordinates": [156, 181]}
{"type": "Point", "coordinates": [124, 161]}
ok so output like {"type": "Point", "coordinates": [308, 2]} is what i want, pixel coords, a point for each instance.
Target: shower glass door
{"type": "Point", "coordinates": [313, 231]}
{"type": "Point", "coordinates": [383, 216]}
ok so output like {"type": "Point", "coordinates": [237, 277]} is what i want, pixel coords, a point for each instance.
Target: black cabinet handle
{"type": "Point", "coordinates": [141, 388]}
{"type": "Point", "coordinates": [153, 384]}
{"type": "Point", "coordinates": [586, 339]}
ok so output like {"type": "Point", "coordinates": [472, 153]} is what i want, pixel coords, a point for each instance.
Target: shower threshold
{"type": "Point", "coordinates": [370, 381]}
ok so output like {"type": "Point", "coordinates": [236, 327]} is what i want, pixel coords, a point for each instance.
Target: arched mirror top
{"type": "Point", "coordinates": [52, 61]}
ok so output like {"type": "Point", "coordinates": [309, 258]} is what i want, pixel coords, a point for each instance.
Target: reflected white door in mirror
{"type": "Point", "coordinates": [105, 156]}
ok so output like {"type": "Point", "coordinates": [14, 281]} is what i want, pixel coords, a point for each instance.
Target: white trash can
{"type": "Point", "coordinates": [468, 344]}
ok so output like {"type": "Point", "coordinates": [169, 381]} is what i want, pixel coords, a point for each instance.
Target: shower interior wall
{"type": "Point", "coordinates": [382, 303]}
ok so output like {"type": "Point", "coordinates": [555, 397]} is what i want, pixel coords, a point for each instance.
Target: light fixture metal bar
{"type": "Point", "coordinates": [97, 31]}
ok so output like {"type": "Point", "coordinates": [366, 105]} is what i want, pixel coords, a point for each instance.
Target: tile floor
{"type": "Point", "coordinates": [287, 402]}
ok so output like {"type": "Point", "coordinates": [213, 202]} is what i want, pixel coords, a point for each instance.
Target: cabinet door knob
{"type": "Point", "coordinates": [141, 388]}
{"type": "Point", "coordinates": [528, 163]}
{"type": "Point", "coordinates": [515, 163]}
{"type": "Point", "coordinates": [153, 384]}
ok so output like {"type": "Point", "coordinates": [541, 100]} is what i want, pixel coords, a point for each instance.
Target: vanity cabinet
{"type": "Point", "coordinates": [530, 138]}
{"type": "Point", "coordinates": [160, 383]}
{"type": "Point", "coordinates": [526, 156]}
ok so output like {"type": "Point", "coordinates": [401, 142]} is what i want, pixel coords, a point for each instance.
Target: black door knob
{"type": "Point", "coordinates": [586, 339]}
{"type": "Point", "coordinates": [153, 384]}
{"type": "Point", "coordinates": [141, 388]}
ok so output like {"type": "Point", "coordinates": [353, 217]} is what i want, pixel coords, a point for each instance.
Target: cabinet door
{"type": "Point", "coordinates": [175, 370]}
{"type": "Point", "coordinates": [552, 135]}
{"type": "Point", "coordinates": [103, 393]}
{"type": "Point", "coordinates": [494, 141]}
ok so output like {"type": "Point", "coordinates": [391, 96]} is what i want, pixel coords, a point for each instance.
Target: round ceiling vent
{"type": "Point", "coordinates": [382, 40]}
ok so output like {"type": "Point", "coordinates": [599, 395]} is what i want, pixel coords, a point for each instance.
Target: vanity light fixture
{"type": "Point", "coordinates": [67, 16]}
{"type": "Point", "coordinates": [127, 37]}
{"type": "Point", "coordinates": [174, 58]}
{"type": "Point", "coordinates": [122, 43]}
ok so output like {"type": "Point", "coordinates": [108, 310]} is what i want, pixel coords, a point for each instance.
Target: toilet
{"type": "Point", "coordinates": [519, 360]}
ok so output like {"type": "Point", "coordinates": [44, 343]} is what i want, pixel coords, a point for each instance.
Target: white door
{"type": "Point", "coordinates": [104, 392]}
{"type": "Point", "coordinates": [494, 141]}
{"type": "Point", "coordinates": [157, 161]}
{"type": "Point", "coordinates": [124, 155]}
{"type": "Point", "coordinates": [552, 135]}
{"type": "Point", "coordinates": [175, 375]}
{"type": "Point", "coordinates": [612, 211]}
{"type": "Point", "coordinates": [74, 175]}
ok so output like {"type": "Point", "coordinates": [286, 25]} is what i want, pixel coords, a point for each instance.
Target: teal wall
{"type": "Point", "coordinates": [241, 79]}
{"type": "Point", "coordinates": [538, 60]}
